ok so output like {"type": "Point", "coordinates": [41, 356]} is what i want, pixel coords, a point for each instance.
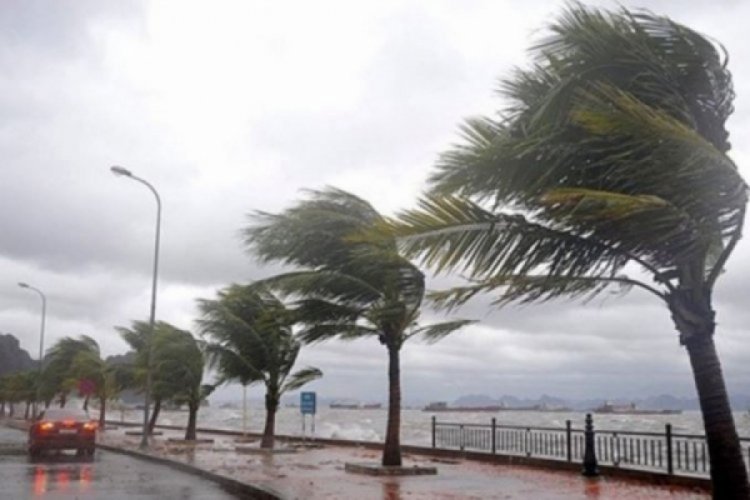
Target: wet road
{"type": "Point", "coordinates": [108, 475]}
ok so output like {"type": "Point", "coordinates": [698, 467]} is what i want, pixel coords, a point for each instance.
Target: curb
{"type": "Point", "coordinates": [244, 490]}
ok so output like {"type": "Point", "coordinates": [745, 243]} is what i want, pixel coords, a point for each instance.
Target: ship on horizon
{"type": "Point", "coordinates": [443, 406]}
{"type": "Point", "coordinates": [631, 409]}
{"type": "Point", "coordinates": [354, 405]}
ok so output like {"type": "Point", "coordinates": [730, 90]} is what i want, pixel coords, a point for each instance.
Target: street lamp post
{"type": "Point", "coordinates": [41, 341]}
{"type": "Point", "coordinates": [146, 406]}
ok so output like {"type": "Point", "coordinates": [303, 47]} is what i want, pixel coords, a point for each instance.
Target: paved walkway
{"type": "Point", "coordinates": [319, 474]}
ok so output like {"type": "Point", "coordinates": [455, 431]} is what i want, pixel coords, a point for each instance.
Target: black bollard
{"type": "Point", "coordinates": [590, 467]}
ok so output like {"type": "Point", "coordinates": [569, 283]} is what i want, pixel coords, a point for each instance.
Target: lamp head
{"type": "Point", "coordinates": [121, 171]}
{"type": "Point", "coordinates": [23, 285]}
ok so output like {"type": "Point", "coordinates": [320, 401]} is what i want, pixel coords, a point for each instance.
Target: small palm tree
{"type": "Point", "coordinates": [57, 376]}
{"type": "Point", "coordinates": [250, 341]}
{"type": "Point", "coordinates": [610, 158]}
{"type": "Point", "coordinates": [89, 365]}
{"type": "Point", "coordinates": [164, 385]}
{"type": "Point", "coordinates": [347, 288]}
{"type": "Point", "coordinates": [179, 365]}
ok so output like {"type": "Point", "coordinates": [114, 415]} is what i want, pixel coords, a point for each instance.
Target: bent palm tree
{"type": "Point", "coordinates": [164, 385]}
{"type": "Point", "coordinates": [178, 361]}
{"type": "Point", "coordinates": [88, 365]}
{"type": "Point", "coordinates": [347, 288]}
{"type": "Point", "coordinates": [252, 341]}
{"type": "Point", "coordinates": [57, 376]}
{"type": "Point", "coordinates": [611, 157]}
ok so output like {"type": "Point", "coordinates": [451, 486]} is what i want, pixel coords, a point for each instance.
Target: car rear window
{"type": "Point", "coordinates": [65, 414]}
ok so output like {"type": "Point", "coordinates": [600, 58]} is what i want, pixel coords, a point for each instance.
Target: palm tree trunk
{"type": "Point", "coordinates": [693, 316]}
{"type": "Point", "coordinates": [728, 472]}
{"type": "Point", "coordinates": [86, 403]}
{"type": "Point", "coordinates": [64, 399]}
{"type": "Point", "coordinates": [192, 420]}
{"type": "Point", "coordinates": [26, 412]}
{"type": "Point", "coordinates": [392, 447]}
{"type": "Point", "coordinates": [102, 412]}
{"type": "Point", "coordinates": [272, 404]}
{"type": "Point", "coordinates": [154, 415]}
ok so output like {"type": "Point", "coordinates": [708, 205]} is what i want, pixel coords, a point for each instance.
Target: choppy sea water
{"type": "Point", "coordinates": [369, 425]}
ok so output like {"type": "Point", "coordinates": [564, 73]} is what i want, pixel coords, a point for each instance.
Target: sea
{"type": "Point", "coordinates": [370, 424]}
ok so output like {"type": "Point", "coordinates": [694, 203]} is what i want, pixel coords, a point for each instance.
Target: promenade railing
{"type": "Point", "coordinates": [667, 452]}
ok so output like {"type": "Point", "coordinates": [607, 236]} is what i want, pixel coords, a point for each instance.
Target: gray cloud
{"type": "Point", "coordinates": [238, 111]}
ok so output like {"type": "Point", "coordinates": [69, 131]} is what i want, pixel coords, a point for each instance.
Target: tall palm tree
{"type": "Point", "coordinates": [251, 340]}
{"type": "Point", "coordinates": [610, 157]}
{"type": "Point", "coordinates": [347, 288]}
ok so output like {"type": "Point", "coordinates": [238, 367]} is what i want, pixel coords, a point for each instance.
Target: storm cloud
{"type": "Point", "coordinates": [231, 107]}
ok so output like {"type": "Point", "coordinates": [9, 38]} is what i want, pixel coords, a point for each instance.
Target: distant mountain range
{"type": "Point", "coordinates": [661, 402]}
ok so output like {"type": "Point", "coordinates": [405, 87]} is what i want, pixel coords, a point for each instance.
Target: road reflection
{"type": "Point", "coordinates": [62, 474]}
{"type": "Point", "coordinates": [392, 490]}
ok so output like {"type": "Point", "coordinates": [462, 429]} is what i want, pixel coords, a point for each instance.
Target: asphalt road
{"type": "Point", "coordinates": [107, 476]}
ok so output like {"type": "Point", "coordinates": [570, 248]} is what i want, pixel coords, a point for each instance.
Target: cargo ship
{"type": "Point", "coordinates": [631, 409]}
{"type": "Point", "coordinates": [443, 406]}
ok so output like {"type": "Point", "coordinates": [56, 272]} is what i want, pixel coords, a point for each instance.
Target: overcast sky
{"type": "Point", "coordinates": [227, 107]}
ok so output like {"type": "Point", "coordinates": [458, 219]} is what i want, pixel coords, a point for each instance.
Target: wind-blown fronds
{"type": "Point", "coordinates": [250, 338]}
{"type": "Point", "coordinates": [300, 378]}
{"type": "Point", "coordinates": [450, 233]}
{"type": "Point", "coordinates": [438, 331]}
{"type": "Point", "coordinates": [613, 149]}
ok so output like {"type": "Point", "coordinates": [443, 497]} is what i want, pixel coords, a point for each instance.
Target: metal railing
{"type": "Point", "coordinates": [667, 452]}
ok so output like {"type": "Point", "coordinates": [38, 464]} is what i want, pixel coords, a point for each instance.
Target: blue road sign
{"type": "Point", "coordinates": [307, 403]}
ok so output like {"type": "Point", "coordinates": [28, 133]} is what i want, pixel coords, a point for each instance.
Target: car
{"type": "Point", "coordinates": [63, 429]}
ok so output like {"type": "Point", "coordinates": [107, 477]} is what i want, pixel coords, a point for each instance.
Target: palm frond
{"type": "Point", "coordinates": [526, 289]}
{"type": "Point", "coordinates": [345, 288]}
{"type": "Point", "coordinates": [310, 234]}
{"type": "Point", "coordinates": [300, 378]}
{"type": "Point", "coordinates": [438, 331]}
{"type": "Point", "coordinates": [451, 233]}
{"type": "Point", "coordinates": [631, 106]}
{"type": "Point", "coordinates": [319, 332]}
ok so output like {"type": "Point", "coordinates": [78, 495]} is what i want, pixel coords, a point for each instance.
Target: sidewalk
{"type": "Point", "coordinates": [318, 473]}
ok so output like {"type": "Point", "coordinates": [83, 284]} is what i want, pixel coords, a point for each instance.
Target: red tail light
{"type": "Point", "coordinates": [90, 426]}
{"type": "Point", "coordinates": [46, 426]}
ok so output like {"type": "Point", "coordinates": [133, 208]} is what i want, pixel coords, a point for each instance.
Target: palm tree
{"type": "Point", "coordinates": [89, 365]}
{"type": "Point", "coordinates": [57, 376]}
{"type": "Point", "coordinates": [179, 365]}
{"type": "Point", "coordinates": [611, 157]}
{"type": "Point", "coordinates": [251, 340]}
{"type": "Point", "coordinates": [163, 384]}
{"type": "Point", "coordinates": [347, 288]}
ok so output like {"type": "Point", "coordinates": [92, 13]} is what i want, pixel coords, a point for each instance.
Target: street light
{"type": "Point", "coordinates": [41, 340]}
{"type": "Point", "coordinates": [123, 172]}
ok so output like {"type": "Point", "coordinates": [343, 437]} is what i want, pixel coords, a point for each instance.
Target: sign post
{"type": "Point", "coordinates": [307, 406]}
